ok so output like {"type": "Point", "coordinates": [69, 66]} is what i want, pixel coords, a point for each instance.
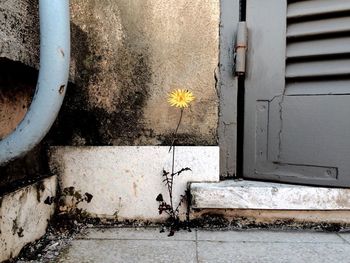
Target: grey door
{"type": "Point", "coordinates": [297, 92]}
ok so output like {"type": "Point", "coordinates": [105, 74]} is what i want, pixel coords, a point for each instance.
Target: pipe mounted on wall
{"type": "Point", "coordinates": [51, 85]}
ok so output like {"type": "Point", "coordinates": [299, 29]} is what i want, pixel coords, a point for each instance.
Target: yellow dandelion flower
{"type": "Point", "coordinates": [180, 98]}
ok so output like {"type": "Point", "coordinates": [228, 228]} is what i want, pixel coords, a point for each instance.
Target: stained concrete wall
{"type": "Point", "coordinates": [19, 42]}
{"type": "Point", "coordinates": [17, 86]}
{"type": "Point", "coordinates": [19, 31]}
{"type": "Point", "coordinates": [126, 57]}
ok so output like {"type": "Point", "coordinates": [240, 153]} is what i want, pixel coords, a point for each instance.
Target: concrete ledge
{"type": "Point", "coordinates": [265, 196]}
{"type": "Point", "coordinates": [24, 216]}
{"type": "Point", "coordinates": [125, 180]}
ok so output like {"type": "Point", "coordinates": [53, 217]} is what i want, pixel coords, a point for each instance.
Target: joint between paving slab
{"type": "Point", "coordinates": [196, 235]}
{"type": "Point", "coordinates": [269, 242]}
{"type": "Point", "coordinates": [132, 239]}
{"type": "Point", "coordinates": [346, 241]}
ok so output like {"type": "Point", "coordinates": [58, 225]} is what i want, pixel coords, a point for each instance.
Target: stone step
{"type": "Point", "coordinates": [24, 216]}
{"type": "Point", "coordinates": [244, 194]}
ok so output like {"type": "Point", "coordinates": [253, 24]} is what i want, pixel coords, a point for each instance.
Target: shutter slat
{"type": "Point", "coordinates": [318, 87]}
{"type": "Point", "coordinates": [319, 27]}
{"type": "Point", "coordinates": [322, 68]}
{"type": "Point", "coordinates": [320, 47]}
{"type": "Point", "coordinates": [317, 7]}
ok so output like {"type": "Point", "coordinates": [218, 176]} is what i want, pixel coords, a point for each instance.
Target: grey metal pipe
{"type": "Point", "coordinates": [52, 82]}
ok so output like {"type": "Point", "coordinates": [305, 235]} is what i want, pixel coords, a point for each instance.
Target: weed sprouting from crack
{"type": "Point", "coordinates": [68, 201]}
{"type": "Point", "coordinates": [180, 99]}
{"type": "Point", "coordinates": [169, 208]}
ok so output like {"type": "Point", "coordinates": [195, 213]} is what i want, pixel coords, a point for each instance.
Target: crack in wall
{"type": "Point", "coordinates": [217, 84]}
{"type": "Point", "coordinates": [280, 98]}
{"type": "Point", "coordinates": [281, 128]}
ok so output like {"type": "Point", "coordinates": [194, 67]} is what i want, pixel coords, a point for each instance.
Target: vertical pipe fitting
{"type": "Point", "coordinates": [52, 83]}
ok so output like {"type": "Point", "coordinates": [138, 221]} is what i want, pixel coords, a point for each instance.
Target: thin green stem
{"type": "Point", "coordinates": [172, 146]}
{"type": "Point", "coordinates": [173, 163]}
{"type": "Point", "coordinates": [176, 130]}
{"type": "Point", "coordinates": [172, 181]}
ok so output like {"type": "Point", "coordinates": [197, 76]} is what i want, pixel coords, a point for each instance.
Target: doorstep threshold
{"type": "Point", "coordinates": [238, 194]}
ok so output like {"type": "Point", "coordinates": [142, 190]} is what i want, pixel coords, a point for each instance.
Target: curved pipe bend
{"type": "Point", "coordinates": [52, 82]}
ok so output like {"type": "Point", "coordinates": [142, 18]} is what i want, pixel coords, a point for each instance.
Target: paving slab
{"type": "Point", "coordinates": [248, 246]}
{"type": "Point", "coordinates": [270, 236]}
{"type": "Point", "coordinates": [345, 236]}
{"type": "Point", "coordinates": [135, 234]}
{"type": "Point", "coordinates": [112, 251]}
{"type": "Point", "coordinates": [242, 252]}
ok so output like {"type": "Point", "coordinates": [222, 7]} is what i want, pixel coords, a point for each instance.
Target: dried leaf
{"type": "Point", "coordinates": [160, 198]}
{"type": "Point", "coordinates": [49, 200]}
{"type": "Point", "coordinates": [88, 197]}
{"type": "Point", "coordinates": [69, 190]}
{"type": "Point", "coordinates": [77, 195]}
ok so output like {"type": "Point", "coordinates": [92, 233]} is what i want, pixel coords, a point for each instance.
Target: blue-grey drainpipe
{"type": "Point", "coordinates": [52, 82]}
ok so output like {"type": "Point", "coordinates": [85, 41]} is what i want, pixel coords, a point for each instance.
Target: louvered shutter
{"type": "Point", "coordinates": [297, 103]}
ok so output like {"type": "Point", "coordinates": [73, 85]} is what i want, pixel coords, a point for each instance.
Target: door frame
{"type": "Point", "coordinates": [231, 150]}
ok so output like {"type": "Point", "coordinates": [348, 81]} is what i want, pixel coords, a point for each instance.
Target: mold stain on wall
{"type": "Point", "coordinates": [117, 94]}
{"type": "Point", "coordinates": [105, 104]}
{"type": "Point", "coordinates": [19, 27]}
{"type": "Point", "coordinates": [126, 57]}
{"type": "Point", "coordinates": [17, 86]}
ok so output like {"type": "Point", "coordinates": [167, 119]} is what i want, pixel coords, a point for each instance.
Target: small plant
{"type": "Point", "coordinates": [179, 99]}
{"type": "Point", "coordinates": [170, 209]}
{"type": "Point", "coordinates": [70, 199]}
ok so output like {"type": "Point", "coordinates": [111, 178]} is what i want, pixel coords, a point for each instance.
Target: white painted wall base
{"type": "Point", "coordinates": [271, 196]}
{"type": "Point", "coordinates": [125, 180]}
{"type": "Point", "coordinates": [24, 216]}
